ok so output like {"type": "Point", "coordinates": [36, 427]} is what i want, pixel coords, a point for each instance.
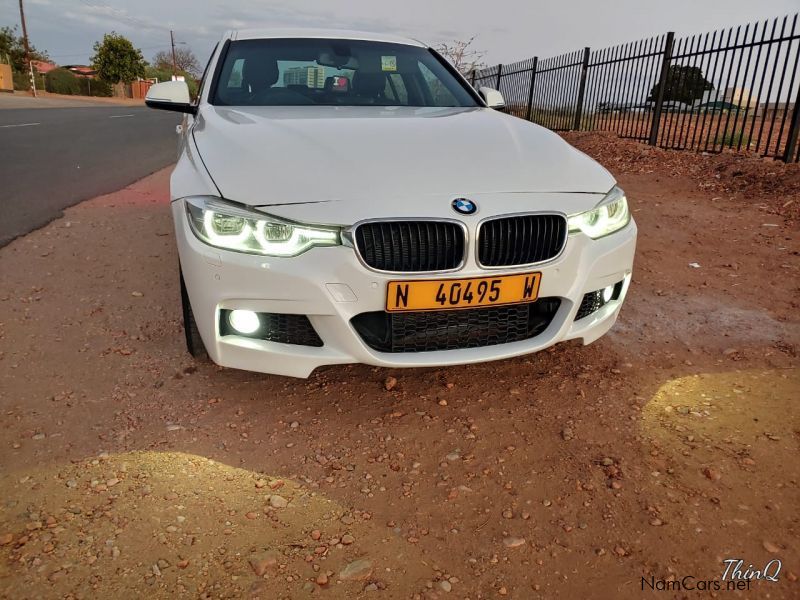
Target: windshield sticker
{"type": "Point", "coordinates": [388, 63]}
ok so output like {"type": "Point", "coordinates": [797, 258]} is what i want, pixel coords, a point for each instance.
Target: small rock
{"type": "Point", "coordinates": [390, 383]}
{"type": "Point", "coordinates": [712, 474]}
{"type": "Point", "coordinates": [656, 522]}
{"type": "Point", "coordinates": [322, 579]}
{"type": "Point", "coordinates": [620, 551]}
{"type": "Point", "coordinates": [316, 534]}
{"type": "Point", "coordinates": [137, 294]}
{"type": "Point", "coordinates": [112, 482]}
{"type": "Point", "coordinates": [263, 562]}
{"type": "Point", "coordinates": [6, 539]}
{"type": "Point", "coordinates": [182, 564]}
{"type": "Point", "coordinates": [567, 434]}
{"type": "Point", "coordinates": [445, 585]}
{"type": "Point", "coordinates": [607, 462]}
{"type": "Point", "coordinates": [251, 515]}
{"type": "Point", "coordinates": [276, 501]}
{"type": "Point", "coordinates": [261, 483]}
{"type": "Point", "coordinates": [513, 542]}
{"type": "Point", "coordinates": [770, 547]}
{"type": "Point", "coordinates": [348, 539]}
{"type": "Point", "coordinates": [508, 514]}
{"type": "Point", "coordinates": [358, 570]}
{"type": "Point", "coordinates": [294, 424]}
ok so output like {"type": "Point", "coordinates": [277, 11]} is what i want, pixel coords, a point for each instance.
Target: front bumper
{"type": "Point", "coordinates": [331, 286]}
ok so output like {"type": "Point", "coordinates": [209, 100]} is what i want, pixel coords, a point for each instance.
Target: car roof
{"type": "Point", "coordinates": [340, 34]}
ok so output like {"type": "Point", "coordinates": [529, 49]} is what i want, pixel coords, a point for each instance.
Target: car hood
{"type": "Point", "coordinates": [273, 156]}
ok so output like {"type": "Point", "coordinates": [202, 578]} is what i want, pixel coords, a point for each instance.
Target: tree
{"type": "Point", "coordinates": [116, 59]}
{"type": "Point", "coordinates": [184, 59]}
{"type": "Point", "coordinates": [464, 58]}
{"type": "Point", "coordinates": [12, 46]}
{"type": "Point", "coordinates": [684, 84]}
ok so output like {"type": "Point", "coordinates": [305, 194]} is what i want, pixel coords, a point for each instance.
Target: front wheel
{"type": "Point", "coordinates": [194, 343]}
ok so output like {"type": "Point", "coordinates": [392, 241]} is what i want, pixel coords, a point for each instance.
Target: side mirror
{"type": "Point", "coordinates": [170, 95]}
{"type": "Point", "coordinates": [492, 97]}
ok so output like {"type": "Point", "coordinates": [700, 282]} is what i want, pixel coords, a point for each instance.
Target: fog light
{"type": "Point", "coordinates": [244, 321]}
{"type": "Point", "coordinates": [608, 293]}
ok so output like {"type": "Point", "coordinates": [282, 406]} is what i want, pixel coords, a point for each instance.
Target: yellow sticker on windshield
{"type": "Point", "coordinates": [388, 63]}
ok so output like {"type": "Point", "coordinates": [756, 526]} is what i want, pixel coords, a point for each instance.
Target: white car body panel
{"type": "Point", "coordinates": [368, 156]}
{"type": "Point", "coordinates": [343, 165]}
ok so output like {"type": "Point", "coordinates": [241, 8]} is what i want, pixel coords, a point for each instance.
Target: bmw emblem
{"type": "Point", "coordinates": [464, 206]}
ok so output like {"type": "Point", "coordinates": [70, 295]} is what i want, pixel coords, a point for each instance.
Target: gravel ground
{"type": "Point", "coordinates": [668, 446]}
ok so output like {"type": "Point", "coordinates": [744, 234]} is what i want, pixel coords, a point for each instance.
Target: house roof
{"type": "Point", "coordinates": [42, 66]}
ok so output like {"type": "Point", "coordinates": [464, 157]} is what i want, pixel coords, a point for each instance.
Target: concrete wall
{"type": "Point", "coordinates": [6, 79]}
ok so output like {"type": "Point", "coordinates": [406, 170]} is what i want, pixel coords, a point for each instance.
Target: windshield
{"type": "Point", "coordinates": [297, 72]}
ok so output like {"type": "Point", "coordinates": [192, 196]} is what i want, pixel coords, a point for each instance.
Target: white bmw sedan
{"type": "Point", "coordinates": [345, 197]}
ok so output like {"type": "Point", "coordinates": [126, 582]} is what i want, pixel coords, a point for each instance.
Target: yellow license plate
{"type": "Point", "coordinates": [445, 294]}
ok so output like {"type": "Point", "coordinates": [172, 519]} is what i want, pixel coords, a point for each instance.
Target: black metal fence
{"type": "Point", "coordinates": [736, 88]}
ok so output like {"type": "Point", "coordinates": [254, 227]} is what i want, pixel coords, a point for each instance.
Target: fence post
{"type": "Point", "coordinates": [794, 131]}
{"type": "Point", "coordinates": [472, 80]}
{"type": "Point", "coordinates": [662, 84]}
{"type": "Point", "coordinates": [581, 89]}
{"type": "Point", "coordinates": [499, 74]}
{"type": "Point", "coordinates": [533, 83]}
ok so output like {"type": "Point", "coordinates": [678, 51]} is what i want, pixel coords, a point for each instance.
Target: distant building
{"type": "Point", "coordinates": [309, 76]}
{"type": "Point", "coordinates": [739, 97]}
{"type": "Point", "coordinates": [42, 67]}
{"type": "Point", "coordinates": [82, 71]}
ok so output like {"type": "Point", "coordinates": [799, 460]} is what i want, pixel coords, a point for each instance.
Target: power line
{"type": "Point", "coordinates": [123, 16]}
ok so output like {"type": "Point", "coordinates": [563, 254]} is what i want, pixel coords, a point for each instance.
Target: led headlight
{"type": "Point", "coordinates": [225, 225]}
{"type": "Point", "coordinates": [610, 215]}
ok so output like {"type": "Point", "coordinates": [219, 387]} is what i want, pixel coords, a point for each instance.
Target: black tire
{"type": "Point", "coordinates": [194, 343]}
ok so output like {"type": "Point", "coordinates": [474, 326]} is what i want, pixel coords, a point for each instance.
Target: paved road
{"type": "Point", "coordinates": [52, 158]}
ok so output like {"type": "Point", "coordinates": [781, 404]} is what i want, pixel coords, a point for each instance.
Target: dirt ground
{"type": "Point", "coordinates": [655, 454]}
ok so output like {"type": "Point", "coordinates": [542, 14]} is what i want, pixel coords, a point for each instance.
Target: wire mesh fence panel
{"type": "Point", "coordinates": [735, 89]}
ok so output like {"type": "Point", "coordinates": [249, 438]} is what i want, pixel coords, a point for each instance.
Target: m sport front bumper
{"type": "Point", "coordinates": [326, 306]}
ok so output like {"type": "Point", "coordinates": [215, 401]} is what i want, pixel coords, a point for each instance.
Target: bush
{"type": "Point", "coordinates": [62, 81]}
{"type": "Point", "coordinates": [22, 81]}
{"type": "Point", "coordinates": [94, 87]}
{"type": "Point", "coordinates": [733, 139]}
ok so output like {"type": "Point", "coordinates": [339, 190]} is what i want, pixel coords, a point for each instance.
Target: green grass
{"type": "Point", "coordinates": [732, 139]}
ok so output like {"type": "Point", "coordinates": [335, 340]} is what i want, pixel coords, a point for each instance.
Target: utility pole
{"type": "Point", "coordinates": [172, 41]}
{"type": "Point", "coordinates": [27, 47]}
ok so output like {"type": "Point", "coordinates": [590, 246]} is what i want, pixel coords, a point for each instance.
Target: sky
{"type": "Point", "coordinates": [506, 30]}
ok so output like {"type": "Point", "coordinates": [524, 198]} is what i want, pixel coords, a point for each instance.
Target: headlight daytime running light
{"type": "Point", "coordinates": [610, 215]}
{"type": "Point", "coordinates": [231, 227]}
